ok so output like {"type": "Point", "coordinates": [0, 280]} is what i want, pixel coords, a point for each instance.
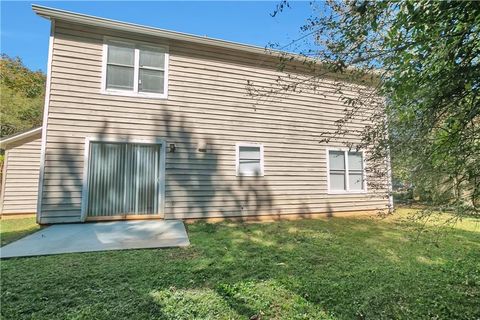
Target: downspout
{"type": "Point", "coordinates": [388, 164]}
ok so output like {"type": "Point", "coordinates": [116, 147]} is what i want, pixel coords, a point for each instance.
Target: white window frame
{"type": "Point", "coordinates": [347, 186]}
{"type": "Point", "coordinates": [137, 45]}
{"type": "Point", "coordinates": [237, 160]}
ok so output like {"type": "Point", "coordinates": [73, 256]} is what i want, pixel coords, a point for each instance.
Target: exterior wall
{"type": "Point", "coordinates": [207, 103]}
{"type": "Point", "coordinates": [20, 185]}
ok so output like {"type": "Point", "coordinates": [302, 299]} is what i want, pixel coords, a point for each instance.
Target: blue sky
{"type": "Point", "coordinates": [25, 35]}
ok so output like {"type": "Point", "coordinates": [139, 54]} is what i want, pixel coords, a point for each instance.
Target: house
{"type": "Point", "coordinates": [20, 172]}
{"type": "Point", "coordinates": [145, 123]}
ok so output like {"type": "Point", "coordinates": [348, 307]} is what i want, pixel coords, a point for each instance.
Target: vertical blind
{"type": "Point", "coordinates": [123, 178]}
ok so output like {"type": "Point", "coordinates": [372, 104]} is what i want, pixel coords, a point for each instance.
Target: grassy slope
{"type": "Point", "coordinates": [312, 269]}
{"type": "Point", "coordinates": [14, 229]}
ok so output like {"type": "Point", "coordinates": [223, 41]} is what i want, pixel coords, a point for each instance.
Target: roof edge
{"type": "Point", "coordinates": [19, 136]}
{"type": "Point", "coordinates": [52, 13]}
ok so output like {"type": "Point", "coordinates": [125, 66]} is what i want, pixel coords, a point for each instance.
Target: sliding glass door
{"type": "Point", "coordinates": [123, 179]}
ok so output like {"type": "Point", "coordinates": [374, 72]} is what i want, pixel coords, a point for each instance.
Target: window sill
{"type": "Point", "coordinates": [347, 192]}
{"type": "Point", "coordinates": [249, 174]}
{"type": "Point", "coordinates": [135, 94]}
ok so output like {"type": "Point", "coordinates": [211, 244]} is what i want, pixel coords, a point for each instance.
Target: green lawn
{"type": "Point", "coordinates": [363, 268]}
{"type": "Point", "coordinates": [14, 229]}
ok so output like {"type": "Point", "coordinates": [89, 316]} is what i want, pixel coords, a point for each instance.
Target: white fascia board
{"type": "Point", "coordinates": [57, 14]}
{"type": "Point", "coordinates": [52, 13]}
{"type": "Point", "coordinates": [20, 136]}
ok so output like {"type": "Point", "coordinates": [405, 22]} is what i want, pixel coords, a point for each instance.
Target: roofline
{"type": "Point", "coordinates": [19, 136]}
{"type": "Point", "coordinates": [52, 13]}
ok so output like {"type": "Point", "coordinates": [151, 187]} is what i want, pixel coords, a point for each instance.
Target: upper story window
{"type": "Point", "coordinates": [135, 69]}
{"type": "Point", "coordinates": [345, 171]}
{"type": "Point", "coordinates": [249, 159]}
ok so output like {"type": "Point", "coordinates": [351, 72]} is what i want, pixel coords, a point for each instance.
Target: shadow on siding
{"type": "Point", "coordinates": [199, 183]}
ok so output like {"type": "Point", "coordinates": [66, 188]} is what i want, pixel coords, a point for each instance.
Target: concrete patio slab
{"type": "Point", "coordinates": [99, 236]}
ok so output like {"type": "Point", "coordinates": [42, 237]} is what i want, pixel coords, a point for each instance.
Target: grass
{"type": "Point", "coordinates": [14, 229]}
{"type": "Point", "coordinates": [348, 268]}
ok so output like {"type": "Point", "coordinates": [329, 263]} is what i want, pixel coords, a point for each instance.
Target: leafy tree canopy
{"type": "Point", "coordinates": [22, 96]}
{"type": "Point", "coordinates": [427, 55]}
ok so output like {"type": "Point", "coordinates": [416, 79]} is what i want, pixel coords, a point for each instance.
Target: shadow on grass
{"type": "Point", "coordinates": [336, 268]}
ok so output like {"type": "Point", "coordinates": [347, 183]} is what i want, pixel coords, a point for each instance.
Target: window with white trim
{"type": "Point", "coordinates": [135, 69]}
{"type": "Point", "coordinates": [249, 159]}
{"type": "Point", "coordinates": [346, 171]}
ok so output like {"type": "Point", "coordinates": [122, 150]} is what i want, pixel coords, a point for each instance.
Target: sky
{"type": "Point", "coordinates": [24, 34]}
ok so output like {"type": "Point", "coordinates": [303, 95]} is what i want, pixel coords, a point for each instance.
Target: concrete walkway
{"type": "Point", "coordinates": [100, 236]}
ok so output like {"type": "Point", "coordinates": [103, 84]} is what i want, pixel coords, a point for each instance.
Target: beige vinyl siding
{"type": "Point", "coordinates": [207, 103]}
{"type": "Point", "coordinates": [22, 164]}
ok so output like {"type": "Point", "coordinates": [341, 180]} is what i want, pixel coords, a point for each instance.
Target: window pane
{"type": "Point", "coordinates": [337, 181]}
{"type": "Point", "coordinates": [120, 55]}
{"type": "Point", "coordinates": [355, 181]}
{"type": "Point", "coordinates": [249, 153]}
{"type": "Point", "coordinates": [337, 160]}
{"type": "Point", "coordinates": [355, 161]}
{"type": "Point", "coordinates": [249, 167]}
{"type": "Point", "coordinates": [151, 81]}
{"type": "Point", "coordinates": [151, 58]}
{"type": "Point", "coordinates": [119, 77]}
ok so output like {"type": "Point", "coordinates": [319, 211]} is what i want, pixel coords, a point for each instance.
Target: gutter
{"type": "Point", "coordinates": [58, 14]}
{"type": "Point", "coordinates": [19, 136]}
{"type": "Point", "coordinates": [52, 13]}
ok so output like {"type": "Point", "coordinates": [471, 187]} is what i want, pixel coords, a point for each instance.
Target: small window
{"type": "Point", "coordinates": [249, 159]}
{"type": "Point", "coordinates": [346, 171]}
{"type": "Point", "coordinates": [136, 70]}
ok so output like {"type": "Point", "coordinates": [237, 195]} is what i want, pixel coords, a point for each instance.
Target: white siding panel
{"type": "Point", "coordinates": [208, 103]}
{"type": "Point", "coordinates": [22, 161]}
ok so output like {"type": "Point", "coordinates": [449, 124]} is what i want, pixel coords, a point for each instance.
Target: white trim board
{"type": "Point", "coordinates": [4, 181]}
{"type": "Point", "coordinates": [19, 136]}
{"type": "Point", "coordinates": [43, 148]}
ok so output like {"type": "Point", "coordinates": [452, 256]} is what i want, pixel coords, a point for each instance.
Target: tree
{"type": "Point", "coordinates": [22, 96]}
{"type": "Point", "coordinates": [425, 55]}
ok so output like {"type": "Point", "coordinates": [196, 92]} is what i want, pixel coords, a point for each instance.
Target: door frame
{"type": "Point", "coordinates": [161, 192]}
